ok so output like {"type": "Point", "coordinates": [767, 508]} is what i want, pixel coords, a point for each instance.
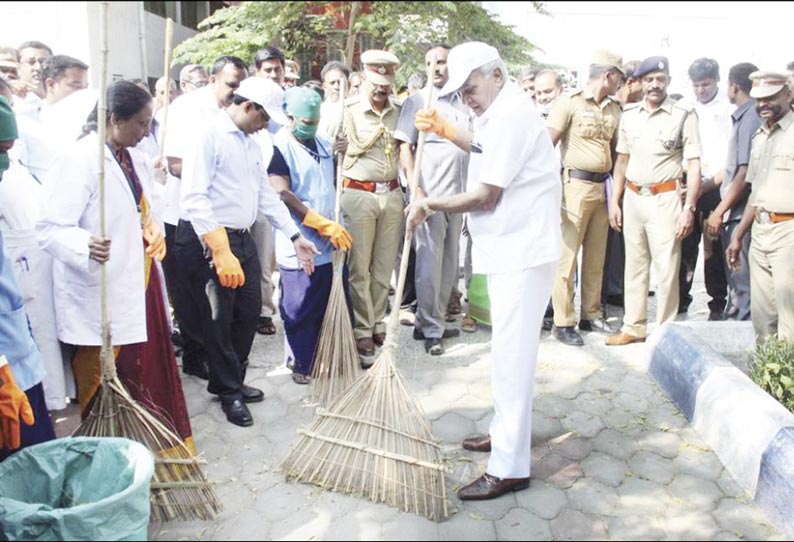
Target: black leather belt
{"type": "Point", "coordinates": [587, 175]}
{"type": "Point", "coordinates": [238, 231]}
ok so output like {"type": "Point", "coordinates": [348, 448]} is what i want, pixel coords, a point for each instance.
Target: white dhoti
{"type": "Point", "coordinates": [33, 270]}
{"type": "Point", "coordinates": [518, 302]}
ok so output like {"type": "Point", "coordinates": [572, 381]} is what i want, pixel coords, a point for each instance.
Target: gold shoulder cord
{"type": "Point", "coordinates": [356, 147]}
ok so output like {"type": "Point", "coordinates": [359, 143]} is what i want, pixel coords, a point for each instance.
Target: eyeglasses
{"type": "Point", "coordinates": [198, 84]}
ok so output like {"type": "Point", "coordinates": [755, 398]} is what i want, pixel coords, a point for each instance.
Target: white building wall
{"type": "Point", "coordinates": [72, 28]}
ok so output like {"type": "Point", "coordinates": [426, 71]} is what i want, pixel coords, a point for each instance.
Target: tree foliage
{"type": "Point", "coordinates": [311, 31]}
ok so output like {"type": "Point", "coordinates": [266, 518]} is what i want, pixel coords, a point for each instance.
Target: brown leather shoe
{"type": "Point", "coordinates": [490, 487]}
{"type": "Point", "coordinates": [365, 346]}
{"type": "Point", "coordinates": [379, 338]}
{"type": "Point", "coordinates": [480, 443]}
{"type": "Point", "coordinates": [620, 338]}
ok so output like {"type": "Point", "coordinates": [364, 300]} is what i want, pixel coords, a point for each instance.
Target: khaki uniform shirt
{"type": "Point", "coordinates": [587, 130]}
{"type": "Point", "coordinates": [372, 151]}
{"type": "Point", "coordinates": [771, 168]}
{"type": "Point", "coordinates": [652, 141]}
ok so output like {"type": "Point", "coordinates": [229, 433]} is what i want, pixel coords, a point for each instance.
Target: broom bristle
{"type": "Point", "coordinates": [336, 363]}
{"type": "Point", "coordinates": [179, 488]}
{"type": "Point", "coordinates": [374, 441]}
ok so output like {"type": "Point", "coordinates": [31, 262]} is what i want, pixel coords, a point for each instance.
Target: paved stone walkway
{"type": "Point", "coordinates": [612, 459]}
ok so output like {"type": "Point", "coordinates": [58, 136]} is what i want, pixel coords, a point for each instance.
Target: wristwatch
{"type": "Point", "coordinates": [426, 208]}
{"type": "Point", "coordinates": [690, 207]}
{"type": "Point", "coordinates": [295, 237]}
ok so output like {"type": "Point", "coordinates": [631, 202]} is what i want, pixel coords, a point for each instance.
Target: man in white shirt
{"type": "Point", "coordinates": [332, 74]}
{"type": "Point", "coordinates": [224, 187]}
{"type": "Point", "coordinates": [32, 55]}
{"type": "Point", "coordinates": [513, 199]}
{"type": "Point", "coordinates": [714, 120]}
{"type": "Point", "coordinates": [187, 116]}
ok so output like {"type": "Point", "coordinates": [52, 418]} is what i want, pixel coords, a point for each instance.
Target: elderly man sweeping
{"type": "Point", "coordinates": [513, 200]}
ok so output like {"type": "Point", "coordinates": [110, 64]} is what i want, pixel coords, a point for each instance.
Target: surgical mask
{"type": "Point", "coordinates": [4, 163]}
{"type": "Point", "coordinates": [304, 132]}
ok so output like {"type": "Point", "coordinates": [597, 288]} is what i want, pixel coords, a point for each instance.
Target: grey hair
{"type": "Point", "coordinates": [557, 76]}
{"type": "Point", "coordinates": [486, 70]}
{"type": "Point", "coordinates": [190, 68]}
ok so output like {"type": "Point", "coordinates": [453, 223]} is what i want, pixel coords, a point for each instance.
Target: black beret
{"type": "Point", "coordinates": [650, 65]}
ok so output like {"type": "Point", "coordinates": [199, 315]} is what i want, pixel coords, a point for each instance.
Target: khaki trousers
{"type": "Point", "coordinates": [375, 223]}
{"type": "Point", "coordinates": [588, 230]}
{"type": "Point", "coordinates": [262, 233]}
{"type": "Point", "coordinates": [772, 279]}
{"type": "Point", "coordinates": [649, 230]}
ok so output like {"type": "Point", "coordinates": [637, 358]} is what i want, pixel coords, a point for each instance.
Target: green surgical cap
{"type": "Point", "coordinates": [302, 103]}
{"type": "Point", "coordinates": [8, 124]}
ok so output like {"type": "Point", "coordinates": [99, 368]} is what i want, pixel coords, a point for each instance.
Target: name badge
{"type": "Point", "coordinates": [588, 114]}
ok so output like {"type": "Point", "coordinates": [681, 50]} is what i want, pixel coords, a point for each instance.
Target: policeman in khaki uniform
{"type": "Point", "coordinates": [654, 138]}
{"type": "Point", "coordinates": [585, 123]}
{"type": "Point", "coordinates": [372, 202]}
{"type": "Point", "coordinates": [770, 210]}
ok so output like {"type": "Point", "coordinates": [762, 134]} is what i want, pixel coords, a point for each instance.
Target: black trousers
{"type": "Point", "coordinates": [614, 266]}
{"type": "Point", "coordinates": [713, 259]}
{"type": "Point", "coordinates": [228, 316]}
{"type": "Point", "coordinates": [186, 315]}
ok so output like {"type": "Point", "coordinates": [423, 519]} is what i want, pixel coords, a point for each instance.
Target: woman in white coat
{"type": "Point", "coordinates": [69, 231]}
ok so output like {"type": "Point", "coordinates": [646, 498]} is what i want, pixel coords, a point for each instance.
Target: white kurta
{"type": "Point", "coordinates": [71, 217]}
{"type": "Point", "coordinates": [20, 208]}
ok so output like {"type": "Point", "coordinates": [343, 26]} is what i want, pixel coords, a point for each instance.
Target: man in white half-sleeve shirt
{"type": "Point", "coordinates": [224, 186]}
{"type": "Point", "coordinates": [513, 199]}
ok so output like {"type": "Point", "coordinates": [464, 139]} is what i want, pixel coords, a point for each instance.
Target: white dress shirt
{"type": "Point", "coordinates": [225, 182]}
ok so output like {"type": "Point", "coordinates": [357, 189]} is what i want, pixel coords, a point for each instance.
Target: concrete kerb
{"type": "Point", "coordinates": [751, 433]}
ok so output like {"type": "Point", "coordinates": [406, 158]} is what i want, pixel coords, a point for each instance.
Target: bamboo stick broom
{"type": "Point", "coordinates": [374, 441]}
{"type": "Point", "coordinates": [179, 489]}
{"type": "Point", "coordinates": [336, 362]}
{"type": "Point", "coordinates": [169, 39]}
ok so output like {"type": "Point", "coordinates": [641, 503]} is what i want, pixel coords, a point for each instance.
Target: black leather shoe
{"type": "Point", "coordinates": [596, 324]}
{"type": "Point", "coordinates": [236, 412]}
{"type": "Point", "coordinates": [252, 395]}
{"type": "Point", "coordinates": [448, 334]}
{"type": "Point", "coordinates": [490, 487]}
{"type": "Point", "coordinates": [434, 347]}
{"type": "Point", "coordinates": [480, 443]}
{"type": "Point", "coordinates": [198, 369]}
{"type": "Point", "coordinates": [567, 335]}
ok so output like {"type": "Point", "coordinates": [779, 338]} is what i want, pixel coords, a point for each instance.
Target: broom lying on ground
{"type": "Point", "coordinates": [374, 441]}
{"type": "Point", "coordinates": [336, 361]}
{"type": "Point", "coordinates": [179, 489]}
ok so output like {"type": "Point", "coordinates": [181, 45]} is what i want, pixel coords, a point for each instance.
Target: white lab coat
{"type": "Point", "coordinates": [71, 217]}
{"type": "Point", "coordinates": [20, 209]}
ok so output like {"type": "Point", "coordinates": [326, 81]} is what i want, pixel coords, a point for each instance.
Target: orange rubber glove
{"type": "Point", "coordinates": [338, 235]}
{"type": "Point", "coordinates": [153, 235]}
{"type": "Point", "coordinates": [14, 407]}
{"type": "Point", "coordinates": [428, 120]}
{"type": "Point", "coordinates": [227, 266]}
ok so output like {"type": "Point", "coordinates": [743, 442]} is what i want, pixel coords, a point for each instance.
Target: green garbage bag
{"type": "Point", "coordinates": [80, 488]}
{"type": "Point", "coordinates": [479, 303]}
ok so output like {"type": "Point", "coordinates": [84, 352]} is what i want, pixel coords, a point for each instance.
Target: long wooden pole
{"type": "Point", "coordinates": [169, 38]}
{"type": "Point", "coordinates": [108, 361]}
{"type": "Point", "coordinates": [413, 184]}
{"type": "Point", "coordinates": [339, 155]}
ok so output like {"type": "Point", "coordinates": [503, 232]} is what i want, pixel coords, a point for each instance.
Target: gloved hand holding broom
{"type": "Point", "coordinates": [14, 407]}
{"type": "Point", "coordinates": [334, 231]}
{"type": "Point", "coordinates": [428, 120]}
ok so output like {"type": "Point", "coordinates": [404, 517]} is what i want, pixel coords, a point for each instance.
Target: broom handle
{"type": "Point", "coordinates": [107, 362]}
{"type": "Point", "coordinates": [339, 157]}
{"type": "Point", "coordinates": [394, 318]}
{"type": "Point", "coordinates": [169, 38]}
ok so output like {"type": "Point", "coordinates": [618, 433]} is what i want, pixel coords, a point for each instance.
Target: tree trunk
{"type": "Point", "coordinates": [350, 46]}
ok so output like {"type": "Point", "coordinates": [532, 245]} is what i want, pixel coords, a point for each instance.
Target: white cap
{"type": "Point", "coordinates": [463, 60]}
{"type": "Point", "coordinates": [268, 94]}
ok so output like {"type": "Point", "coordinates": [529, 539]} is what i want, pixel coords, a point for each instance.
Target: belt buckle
{"type": "Point", "coordinates": [382, 188]}
{"type": "Point", "coordinates": [763, 217]}
{"type": "Point", "coordinates": [645, 190]}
